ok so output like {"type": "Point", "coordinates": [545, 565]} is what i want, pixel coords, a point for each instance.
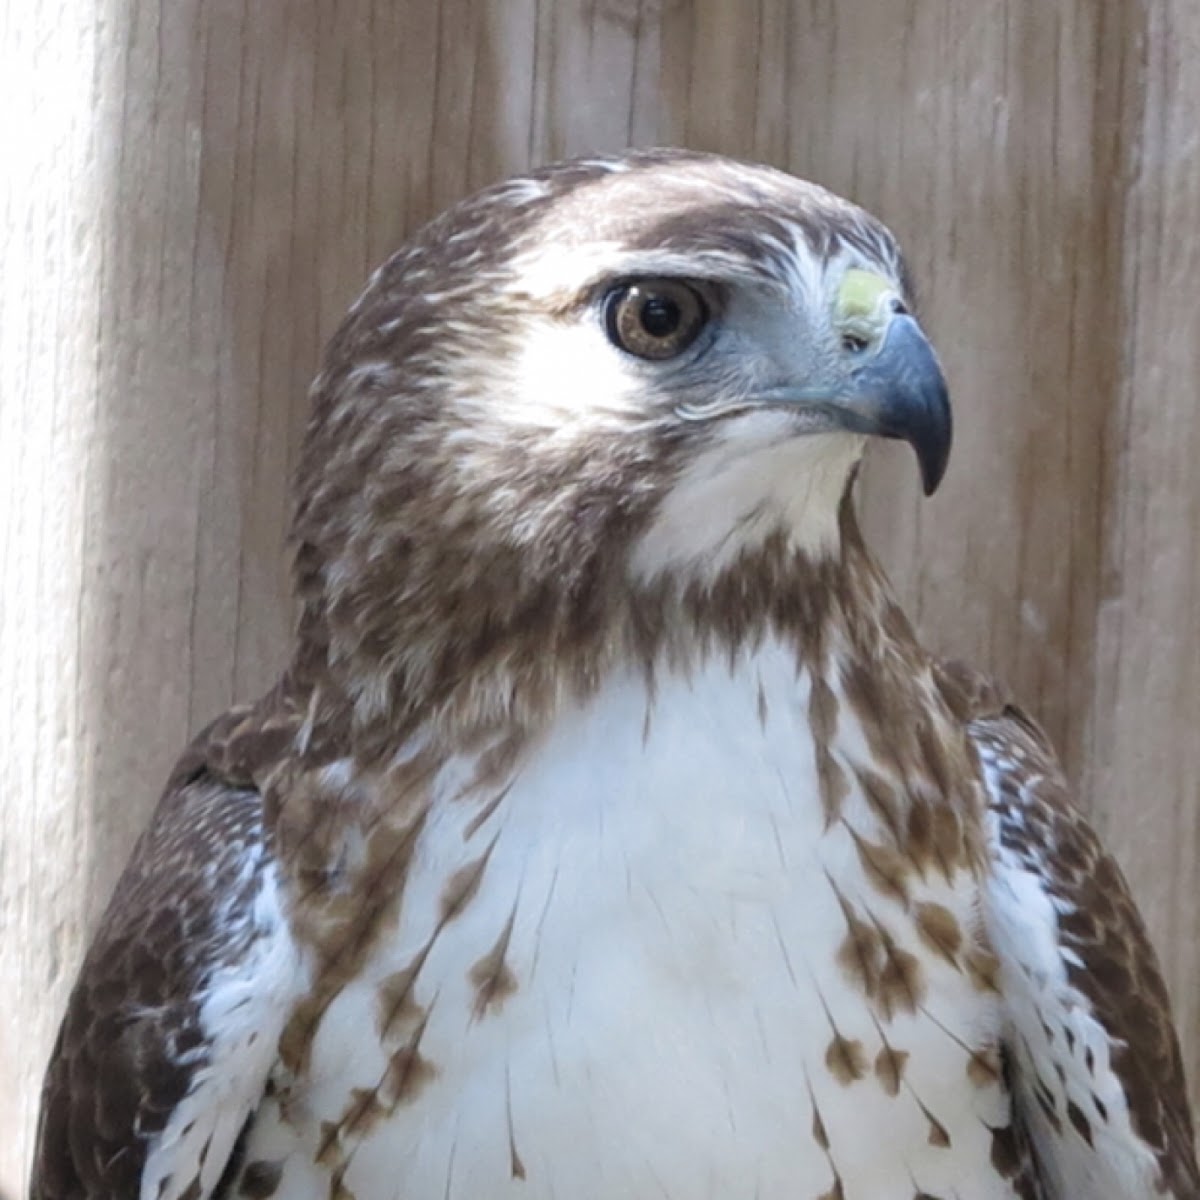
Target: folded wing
{"type": "Point", "coordinates": [1091, 1048]}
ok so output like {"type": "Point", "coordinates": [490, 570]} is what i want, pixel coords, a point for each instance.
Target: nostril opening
{"type": "Point", "coordinates": [853, 343]}
{"type": "Point", "coordinates": [899, 307]}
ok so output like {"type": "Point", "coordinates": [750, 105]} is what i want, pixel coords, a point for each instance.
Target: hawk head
{"type": "Point", "coordinates": [610, 379]}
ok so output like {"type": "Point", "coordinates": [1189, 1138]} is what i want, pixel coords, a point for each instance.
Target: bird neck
{"type": "Point", "coordinates": [513, 658]}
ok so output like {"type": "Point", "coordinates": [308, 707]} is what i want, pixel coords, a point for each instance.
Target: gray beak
{"type": "Point", "coordinates": [900, 392]}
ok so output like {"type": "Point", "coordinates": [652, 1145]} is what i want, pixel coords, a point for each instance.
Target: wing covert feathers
{"type": "Point", "coordinates": [1097, 1069]}
{"type": "Point", "coordinates": [172, 997]}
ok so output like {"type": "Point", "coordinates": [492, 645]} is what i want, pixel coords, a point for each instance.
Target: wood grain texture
{"type": "Point", "coordinates": [1142, 765]}
{"type": "Point", "coordinates": [195, 193]}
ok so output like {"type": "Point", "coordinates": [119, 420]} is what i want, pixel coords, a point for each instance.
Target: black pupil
{"type": "Point", "coordinates": [660, 316]}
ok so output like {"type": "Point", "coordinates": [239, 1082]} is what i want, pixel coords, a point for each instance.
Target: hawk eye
{"type": "Point", "coordinates": [654, 318]}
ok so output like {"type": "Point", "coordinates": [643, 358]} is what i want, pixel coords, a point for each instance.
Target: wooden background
{"type": "Point", "coordinates": [193, 193]}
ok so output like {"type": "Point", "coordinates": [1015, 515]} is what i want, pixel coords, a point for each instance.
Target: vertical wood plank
{"type": "Point", "coordinates": [50, 299]}
{"type": "Point", "coordinates": [1143, 764]}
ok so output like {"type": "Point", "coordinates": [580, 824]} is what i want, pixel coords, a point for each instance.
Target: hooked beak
{"type": "Point", "coordinates": [899, 392]}
{"type": "Point", "coordinates": [896, 389]}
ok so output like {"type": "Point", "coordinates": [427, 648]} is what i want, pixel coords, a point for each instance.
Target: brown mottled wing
{"type": "Point", "coordinates": [187, 927]}
{"type": "Point", "coordinates": [1096, 1066]}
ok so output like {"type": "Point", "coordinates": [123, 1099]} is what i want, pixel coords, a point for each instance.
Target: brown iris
{"type": "Point", "coordinates": [655, 318]}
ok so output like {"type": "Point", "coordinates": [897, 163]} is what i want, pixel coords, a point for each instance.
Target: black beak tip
{"type": "Point", "coordinates": [934, 456]}
{"type": "Point", "coordinates": [935, 435]}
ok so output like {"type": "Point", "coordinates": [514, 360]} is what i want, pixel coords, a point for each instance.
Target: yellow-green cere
{"type": "Point", "coordinates": [859, 296]}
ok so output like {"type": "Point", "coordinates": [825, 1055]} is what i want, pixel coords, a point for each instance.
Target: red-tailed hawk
{"type": "Point", "coordinates": [610, 834]}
